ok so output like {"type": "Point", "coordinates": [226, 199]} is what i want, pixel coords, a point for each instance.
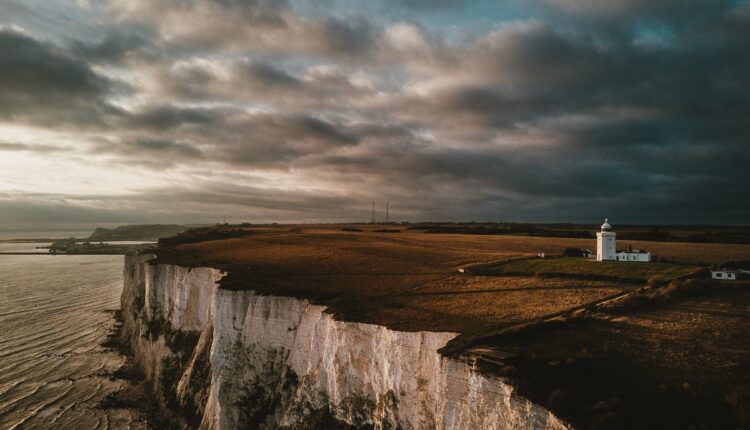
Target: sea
{"type": "Point", "coordinates": [56, 312]}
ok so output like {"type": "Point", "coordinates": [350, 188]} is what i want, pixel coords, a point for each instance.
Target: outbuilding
{"type": "Point", "coordinates": [724, 274]}
{"type": "Point", "coordinates": [729, 274]}
{"type": "Point", "coordinates": [633, 255]}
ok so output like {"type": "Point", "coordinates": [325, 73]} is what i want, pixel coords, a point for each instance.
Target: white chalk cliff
{"type": "Point", "coordinates": [236, 359]}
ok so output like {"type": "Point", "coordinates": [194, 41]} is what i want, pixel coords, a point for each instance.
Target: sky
{"type": "Point", "coordinates": [195, 111]}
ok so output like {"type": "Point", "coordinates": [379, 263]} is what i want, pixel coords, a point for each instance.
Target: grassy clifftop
{"type": "Point", "coordinates": [605, 345]}
{"type": "Point", "coordinates": [586, 268]}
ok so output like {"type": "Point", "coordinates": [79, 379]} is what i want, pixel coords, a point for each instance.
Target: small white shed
{"type": "Point", "coordinates": [724, 274]}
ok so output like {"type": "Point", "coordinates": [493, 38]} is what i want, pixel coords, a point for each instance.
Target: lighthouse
{"type": "Point", "coordinates": [606, 249]}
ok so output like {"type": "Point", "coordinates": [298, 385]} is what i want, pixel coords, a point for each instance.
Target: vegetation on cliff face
{"type": "Point", "coordinates": [181, 346]}
{"type": "Point", "coordinates": [195, 381]}
{"type": "Point", "coordinates": [178, 408]}
{"type": "Point", "coordinates": [324, 419]}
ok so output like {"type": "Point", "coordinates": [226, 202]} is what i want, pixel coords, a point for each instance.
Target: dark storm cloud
{"type": "Point", "coordinates": [41, 83]}
{"type": "Point", "coordinates": [149, 152]}
{"type": "Point", "coordinates": [166, 117]}
{"type": "Point", "coordinates": [244, 81]}
{"type": "Point", "coordinates": [113, 48]}
{"type": "Point", "coordinates": [350, 38]}
{"type": "Point", "coordinates": [26, 63]}
{"type": "Point", "coordinates": [163, 147]}
{"type": "Point", "coordinates": [266, 74]}
{"type": "Point", "coordinates": [615, 10]}
{"type": "Point", "coordinates": [275, 141]}
{"type": "Point", "coordinates": [614, 118]}
{"type": "Point", "coordinates": [627, 107]}
{"type": "Point", "coordinates": [323, 130]}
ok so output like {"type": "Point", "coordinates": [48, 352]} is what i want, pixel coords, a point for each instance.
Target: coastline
{"type": "Point", "coordinates": [173, 330]}
{"type": "Point", "coordinates": [387, 280]}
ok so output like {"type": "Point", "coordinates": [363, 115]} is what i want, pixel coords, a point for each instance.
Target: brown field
{"type": "Point", "coordinates": [410, 280]}
{"type": "Point", "coordinates": [326, 243]}
{"type": "Point", "coordinates": [638, 366]}
{"type": "Point", "coordinates": [681, 364]}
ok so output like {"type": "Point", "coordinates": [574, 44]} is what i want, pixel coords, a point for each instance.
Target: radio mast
{"type": "Point", "coordinates": [387, 216]}
{"type": "Point", "coordinates": [373, 213]}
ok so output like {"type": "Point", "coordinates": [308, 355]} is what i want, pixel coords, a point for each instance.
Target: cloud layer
{"type": "Point", "coordinates": [287, 110]}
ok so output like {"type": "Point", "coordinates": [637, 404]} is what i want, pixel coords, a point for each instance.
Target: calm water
{"type": "Point", "coordinates": [55, 311]}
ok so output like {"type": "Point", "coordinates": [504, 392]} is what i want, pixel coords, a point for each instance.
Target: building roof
{"type": "Point", "coordinates": [735, 271]}
{"type": "Point", "coordinates": [606, 225]}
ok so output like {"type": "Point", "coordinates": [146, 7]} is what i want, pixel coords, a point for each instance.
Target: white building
{"type": "Point", "coordinates": [634, 255]}
{"type": "Point", "coordinates": [729, 274]}
{"type": "Point", "coordinates": [606, 248]}
{"type": "Point", "coordinates": [605, 243]}
{"type": "Point", "coordinates": [724, 274]}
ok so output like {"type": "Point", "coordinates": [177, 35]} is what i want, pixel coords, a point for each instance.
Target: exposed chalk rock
{"type": "Point", "coordinates": [272, 362]}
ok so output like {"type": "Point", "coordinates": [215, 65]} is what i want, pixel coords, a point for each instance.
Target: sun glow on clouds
{"type": "Point", "coordinates": [34, 160]}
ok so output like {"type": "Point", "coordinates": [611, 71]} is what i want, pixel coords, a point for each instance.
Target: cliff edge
{"type": "Point", "coordinates": [225, 359]}
{"type": "Point", "coordinates": [362, 327]}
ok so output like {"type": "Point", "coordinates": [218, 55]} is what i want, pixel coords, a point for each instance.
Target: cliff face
{"type": "Point", "coordinates": [235, 359]}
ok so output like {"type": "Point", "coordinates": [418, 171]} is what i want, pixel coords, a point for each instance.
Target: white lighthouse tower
{"type": "Point", "coordinates": [605, 243]}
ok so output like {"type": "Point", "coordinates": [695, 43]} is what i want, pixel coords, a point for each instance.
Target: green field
{"type": "Point", "coordinates": [582, 267]}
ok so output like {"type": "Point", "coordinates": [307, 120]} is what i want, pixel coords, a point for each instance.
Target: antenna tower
{"type": "Point", "coordinates": [372, 221]}
{"type": "Point", "coordinates": [387, 216]}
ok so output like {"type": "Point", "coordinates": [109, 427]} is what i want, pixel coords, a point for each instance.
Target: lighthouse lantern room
{"type": "Point", "coordinates": [606, 249]}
